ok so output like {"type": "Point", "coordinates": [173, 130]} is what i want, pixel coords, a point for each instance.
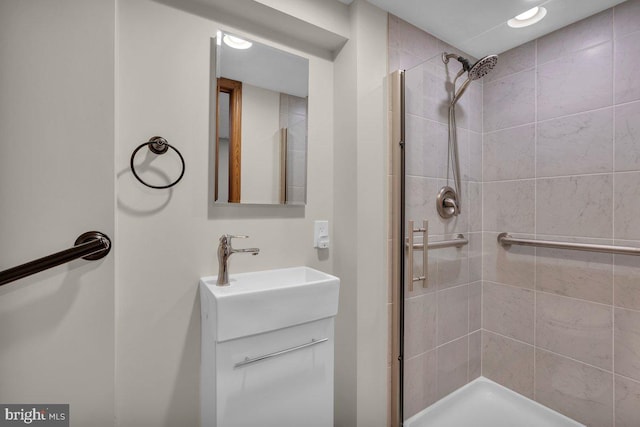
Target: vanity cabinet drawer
{"type": "Point", "coordinates": [284, 375]}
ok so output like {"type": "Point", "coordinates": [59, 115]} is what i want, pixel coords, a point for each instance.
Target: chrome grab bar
{"type": "Point", "coordinates": [458, 242]}
{"type": "Point", "coordinates": [91, 246]}
{"type": "Point", "coordinates": [506, 240]}
{"type": "Point", "coordinates": [425, 254]}
{"type": "Point", "coordinates": [249, 360]}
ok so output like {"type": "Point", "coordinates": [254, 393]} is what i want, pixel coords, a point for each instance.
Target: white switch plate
{"type": "Point", "coordinates": [321, 234]}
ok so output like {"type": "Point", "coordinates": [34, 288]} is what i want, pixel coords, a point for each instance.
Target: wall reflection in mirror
{"type": "Point", "coordinates": [261, 105]}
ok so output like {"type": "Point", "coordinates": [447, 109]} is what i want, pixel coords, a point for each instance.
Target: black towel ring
{"type": "Point", "coordinates": [157, 145]}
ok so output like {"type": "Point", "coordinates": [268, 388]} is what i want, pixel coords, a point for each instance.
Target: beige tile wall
{"type": "Point", "coordinates": [563, 327]}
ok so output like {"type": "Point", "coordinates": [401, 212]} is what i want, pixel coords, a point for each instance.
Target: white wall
{"type": "Point", "coordinates": [260, 180]}
{"type": "Point", "coordinates": [329, 15]}
{"type": "Point", "coordinates": [168, 239]}
{"type": "Point", "coordinates": [371, 36]}
{"type": "Point", "coordinates": [345, 245]}
{"type": "Point", "coordinates": [360, 185]}
{"type": "Point", "coordinates": [56, 182]}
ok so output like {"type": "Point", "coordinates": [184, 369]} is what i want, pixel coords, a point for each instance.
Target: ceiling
{"type": "Point", "coordinates": [265, 67]}
{"type": "Point", "coordinates": [479, 27]}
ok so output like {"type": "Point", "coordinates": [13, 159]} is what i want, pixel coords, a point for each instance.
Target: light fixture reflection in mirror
{"type": "Point", "coordinates": [261, 103]}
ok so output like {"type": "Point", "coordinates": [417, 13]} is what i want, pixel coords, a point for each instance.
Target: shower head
{"type": "Point", "coordinates": [474, 72]}
{"type": "Point", "coordinates": [482, 67]}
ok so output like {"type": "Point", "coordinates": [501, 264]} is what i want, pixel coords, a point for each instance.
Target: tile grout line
{"type": "Point", "coordinates": [468, 341]}
{"type": "Point", "coordinates": [559, 355]}
{"type": "Point", "coordinates": [563, 116]}
{"type": "Point", "coordinates": [515, 73]}
{"type": "Point", "coordinates": [481, 328]}
{"type": "Point", "coordinates": [437, 290]}
{"type": "Point", "coordinates": [555, 59]}
{"type": "Point", "coordinates": [633, 380]}
{"type": "Point", "coordinates": [468, 257]}
{"type": "Point", "coordinates": [613, 216]}
{"type": "Point", "coordinates": [613, 105]}
{"type": "Point", "coordinates": [564, 296]}
{"type": "Point", "coordinates": [468, 230]}
{"type": "Point", "coordinates": [516, 340]}
{"type": "Point", "coordinates": [578, 113]}
{"type": "Point", "coordinates": [554, 177]}
{"type": "Point", "coordinates": [439, 346]}
{"type": "Point", "coordinates": [548, 177]}
{"type": "Point", "coordinates": [481, 197]}
{"type": "Point", "coordinates": [535, 216]}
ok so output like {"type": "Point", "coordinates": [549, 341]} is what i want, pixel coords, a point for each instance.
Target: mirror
{"type": "Point", "coordinates": [261, 100]}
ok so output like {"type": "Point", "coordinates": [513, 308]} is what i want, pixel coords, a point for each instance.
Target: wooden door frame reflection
{"type": "Point", "coordinates": [234, 89]}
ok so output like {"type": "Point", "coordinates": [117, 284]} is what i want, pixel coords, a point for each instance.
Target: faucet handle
{"type": "Point", "coordinates": [227, 237]}
{"type": "Point", "coordinates": [232, 236]}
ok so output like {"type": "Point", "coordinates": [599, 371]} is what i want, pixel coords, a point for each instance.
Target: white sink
{"type": "Point", "coordinates": [267, 346]}
{"type": "Point", "coordinates": [264, 301]}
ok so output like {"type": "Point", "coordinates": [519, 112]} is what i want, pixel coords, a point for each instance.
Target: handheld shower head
{"type": "Point", "coordinates": [474, 72]}
{"type": "Point", "coordinates": [450, 206]}
{"type": "Point", "coordinates": [482, 67]}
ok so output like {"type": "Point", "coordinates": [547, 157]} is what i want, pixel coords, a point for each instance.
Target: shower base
{"type": "Point", "coordinates": [484, 403]}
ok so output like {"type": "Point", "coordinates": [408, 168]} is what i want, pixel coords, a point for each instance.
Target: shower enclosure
{"type": "Point", "coordinates": [438, 254]}
{"type": "Point", "coordinates": [439, 316]}
{"type": "Point", "coordinates": [545, 297]}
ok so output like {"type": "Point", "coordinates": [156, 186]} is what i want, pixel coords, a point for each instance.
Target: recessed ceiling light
{"type": "Point", "coordinates": [236, 42]}
{"type": "Point", "coordinates": [528, 14]}
{"type": "Point", "coordinates": [527, 18]}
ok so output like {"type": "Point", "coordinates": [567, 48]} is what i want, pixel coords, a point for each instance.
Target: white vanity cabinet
{"type": "Point", "coordinates": [268, 349]}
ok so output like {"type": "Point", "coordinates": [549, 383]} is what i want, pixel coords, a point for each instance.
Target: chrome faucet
{"type": "Point", "coordinates": [224, 252]}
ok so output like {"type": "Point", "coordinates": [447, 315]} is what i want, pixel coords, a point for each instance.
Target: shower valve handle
{"type": "Point", "coordinates": [452, 206]}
